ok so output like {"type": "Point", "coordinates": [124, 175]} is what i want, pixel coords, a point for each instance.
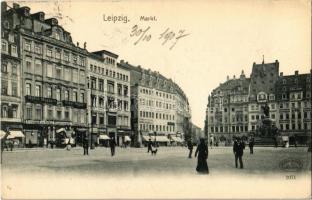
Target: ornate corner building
{"type": "Point", "coordinates": [235, 107]}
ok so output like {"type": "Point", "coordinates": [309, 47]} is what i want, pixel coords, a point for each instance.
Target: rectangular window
{"type": "Point", "coordinates": [13, 50]}
{"type": "Point", "coordinates": [58, 53]}
{"type": "Point", "coordinates": [38, 48]}
{"type": "Point", "coordinates": [28, 66]}
{"type": "Point", "coordinates": [38, 91]}
{"type": "Point", "coordinates": [58, 73]}
{"type": "Point", "coordinates": [49, 51]}
{"type": "Point", "coordinates": [66, 95]}
{"type": "Point", "coordinates": [75, 59]}
{"type": "Point", "coordinates": [14, 88]}
{"type": "Point", "coordinates": [67, 74]}
{"type": "Point", "coordinates": [82, 97]}
{"type": "Point", "coordinates": [66, 56]}
{"type": "Point", "coordinates": [58, 94]}
{"type": "Point", "coordinates": [4, 87]}
{"type": "Point", "coordinates": [27, 45]}
{"type": "Point", "coordinates": [59, 114]}
{"type": "Point", "coordinates": [28, 89]}
{"type": "Point", "coordinates": [49, 92]}
{"type": "Point", "coordinates": [110, 87]}
{"type": "Point", "coordinates": [49, 70]}
{"type": "Point", "coordinates": [4, 68]}
{"type": "Point", "coordinates": [38, 113]}
{"type": "Point", "coordinates": [4, 46]}
{"type": "Point", "coordinates": [125, 90]}
{"type": "Point", "coordinates": [14, 69]}
{"type": "Point", "coordinates": [50, 113]}
{"type": "Point", "coordinates": [67, 115]}
{"type": "Point", "coordinates": [82, 77]}
{"type": "Point", "coordinates": [75, 96]}
{"type": "Point", "coordinates": [29, 112]}
{"type": "Point", "coordinates": [38, 67]}
{"type": "Point", "coordinates": [75, 75]}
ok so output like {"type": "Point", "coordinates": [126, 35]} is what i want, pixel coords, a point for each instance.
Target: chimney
{"type": "Point", "coordinates": [77, 44]}
{"type": "Point", "coordinates": [4, 6]}
{"type": "Point", "coordinates": [281, 74]}
{"type": "Point", "coordinates": [227, 77]}
{"type": "Point", "coordinates": [234, 77]}
{"type": "Point", "coordinates": [296, 72]}
{"type": "Point", "coordinates": [16, 6]}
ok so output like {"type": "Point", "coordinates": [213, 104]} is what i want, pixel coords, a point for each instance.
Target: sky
{"type": "Point", "coordinates": [215, 38]}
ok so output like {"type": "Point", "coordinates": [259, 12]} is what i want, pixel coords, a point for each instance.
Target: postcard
{"type": "Point", "coordinates": [115, 99]}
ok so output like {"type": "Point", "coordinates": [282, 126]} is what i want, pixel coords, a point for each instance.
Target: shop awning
{"type": "Point", "coordinates": [162, 139]}
{"type": "Point", "coordinates": [146, 138]}
{"type": "Point", "coordinates": [81, 129]}
{"type": "Point", "coordinates": [2, 134]}
{"type": "Point", "coordinates": [127, 138]}
{"type": "Point", "coordinates": [16, 134]}
{"type": "Point", "coordinates": [176, 139]}
{"type": "Point", "coordinates": [60, 130]}
{"type": "Point", "coordinates": [104, 137]}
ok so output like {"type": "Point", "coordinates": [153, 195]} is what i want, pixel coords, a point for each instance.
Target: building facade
{"type": "Point", "coordinates": [235, 107]}
{"type": "Point", "coordinates": [53, 77]}
{"type": "Point", "coordinates": [109, 98]}
{"type": "Point", "coordinates": [154, 108]}
{"type": "Point", "coordinates": [11, 96]}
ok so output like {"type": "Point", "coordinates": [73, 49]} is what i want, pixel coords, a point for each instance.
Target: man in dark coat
{"type": "Point", "coordinates": [190, 147]}
{"type": "Point", "coordinates": [202, 151]}
{"type": "Point", "coordinates": [149, 145]}
{"type": "Point", "coordinates": [238, 149]}
{"type": "Point", "coordinates": [112, 145]}
{"type": "Point", "coordinates": [85, 146]}
{"type": "Point", "coordinates": [251, 144]}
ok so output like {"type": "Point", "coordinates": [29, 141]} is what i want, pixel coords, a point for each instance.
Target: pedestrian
{"type": "Point", "coordinates": [190, 147]}
{"type": "Point", "coordinates": [202, 152]}
{"type": "Point", "coordinates": [68, 146]}
{"type": "Point", "coordinates": [275, 142]}
{"type": "Point", "coordinates": [149, 145]}
{"type": "Point", "coordinates": [211, 141]}
{"type": "Point", "coordinates": [295, 140]}
{"type": "Point", "coordinates": [251, 144]}
{"type": "Point", "coordinates": [85, 146]}
{"type": "Point", "coordinates": [238, 149]}
{"type": "Point", "coordinates": [112, 145]}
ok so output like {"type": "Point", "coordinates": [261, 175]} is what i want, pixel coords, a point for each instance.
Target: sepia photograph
{"type": "Point", "coordinates": [131, 99]}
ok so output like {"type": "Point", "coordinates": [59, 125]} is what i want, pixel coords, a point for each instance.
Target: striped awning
{"type": "Point", "coordinates": [127, 138]}
{"type": "Point", "coordinates": [2, 134]}
{"type": "Point", "coordinates": [16, 134]}
{"type": "Point", "coordinates": [104, 137]}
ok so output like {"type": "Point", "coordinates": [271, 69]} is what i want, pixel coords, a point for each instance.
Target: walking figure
{"type": "Point", "coordinates": [202, 152]}
{"type": "Point", "coordinates": [190, 147]}
{"type": "Point", "coordinates": [211, 141]}
{"type": "Point", "coordinates": [112, 145]}
{"type": "Point", "coordinates": [85, 146]}
{"type": "Point", "coordinates": [68, 146]}
{"type": "Point", "coordinates": [238, 149]}
{"type": "Point", "coordinates": [251, 144]}
{"type": "Point", "coordinates": [149, 145]}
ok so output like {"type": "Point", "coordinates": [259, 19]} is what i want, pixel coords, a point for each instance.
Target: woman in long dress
{"type": "Point", "coordinates": [202, 151]}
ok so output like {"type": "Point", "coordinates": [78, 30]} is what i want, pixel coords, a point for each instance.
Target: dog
{"type": "Point", "coordinates": [154, 151]}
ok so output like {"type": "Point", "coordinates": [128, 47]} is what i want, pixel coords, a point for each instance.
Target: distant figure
{"type": "Point", "coordinates": [149, 145]}
{"type": "Point", "coordinates": [251, 144]}
{"type": "Point", "coordinates": [202, 151]}
{"type": "Point", "coordinates": [154, 150]}
{"type": "Point", "coordinates": [275, 142]}
{"type": "Point", "coordinates": [85, 146]}
{"type": "Point", "coordinates": [266, 110]}
{"type": "Point", "coordinates": [238, 149]}
{"type": "Point", "coordinates": [190, 147]}
{"type": "Point", "coordinates": [295, 140]}
{"type": "Point", "coordinates": [11, 145]}
{"type": "Point", "coordinates": [68, 145]}
{"type": "Point", "coordinates": [211, 141]}
{"type": "Point", "coordinates": [112, 145]}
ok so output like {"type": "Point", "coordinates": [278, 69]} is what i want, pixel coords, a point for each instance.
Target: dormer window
{"type": "Point", "coordinates": [284, 81]}
{"type": "Point", "coordinates": [57, 36]}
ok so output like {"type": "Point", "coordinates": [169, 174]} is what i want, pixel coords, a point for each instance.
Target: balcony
{"type": "Point", "coordinates": [78, 105]}
{"type": "Point", "coordinates": [35, 99]}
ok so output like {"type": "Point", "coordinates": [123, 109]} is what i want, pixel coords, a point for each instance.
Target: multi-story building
{"type": "Point", "coordinates": [11, 106]}
{"type": "Point", "coordinates": [154, 106]}
{"type": "Point", "coordinates": [235, 107]}
{"type": "Point", "coordinates": [227, 110]}
{"type": "Point", "coordinates": [293, 105]}
{"type": "Point", "coordinates": [53, 82]}
{"type": "Point", "coordinates": [109, 98]}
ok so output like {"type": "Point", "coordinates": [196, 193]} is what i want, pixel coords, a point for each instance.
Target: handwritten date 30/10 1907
{"type": "Point", "coordinates": [167, 36]}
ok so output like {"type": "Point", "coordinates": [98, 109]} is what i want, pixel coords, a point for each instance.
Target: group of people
{"type": "Point", "coordinates": [85, 144]}
{"type": "Point", "coordinates": [202, 153]}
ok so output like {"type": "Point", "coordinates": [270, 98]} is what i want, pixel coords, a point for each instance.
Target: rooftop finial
{"type": "Point", "coordinates": [262, 59]}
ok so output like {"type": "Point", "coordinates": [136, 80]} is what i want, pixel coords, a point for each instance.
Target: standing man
{"type": "Point", "coordinates": [251, 144]}
{"type": "Point", "coordinates": [149, 145]}
{"type": "Point", "coordinates": [238, 149]}
{"type": "Point", "coordinates": [190, 147]}
{"type": "Point", "coordinates": [85, 146]}
{"type": "Point", "coordinates": [112, 145]}
{"type": "Point", "coordinates": [211, 141]}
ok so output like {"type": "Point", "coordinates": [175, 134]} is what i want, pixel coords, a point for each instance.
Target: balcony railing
{"type": "Point", "coordinates": [74, 104]}
{"type": "Point", "coordinates": [35, 99]}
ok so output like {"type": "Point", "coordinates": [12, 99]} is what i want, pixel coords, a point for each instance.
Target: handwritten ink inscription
{"type": "Point", "coordinates": [166, 37]}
